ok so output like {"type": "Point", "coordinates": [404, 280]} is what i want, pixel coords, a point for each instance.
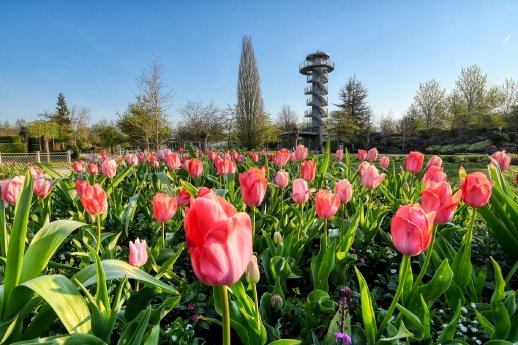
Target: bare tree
{"type": "Point", "coordinates": [509, 89]}
{"type": "Point", "coordinates": [287, 118]}
{"type": "Point", "coordinates": [155, 98]}
{"type": "Point", "coordinates": [250, 107]}
{"type": "Point", "coordinates": [79, 118]}
{"type": "Point", "coordinates": [202, 121]}
{"type": "Point", "coordinates": [430, 104]}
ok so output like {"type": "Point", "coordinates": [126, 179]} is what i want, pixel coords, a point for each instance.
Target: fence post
{"type": "Point", "coordinates": [38, 157]}
{"type": "Point", "coordinates": [69, 157]}
{"type": "Point", "coordinates": [0, 157]}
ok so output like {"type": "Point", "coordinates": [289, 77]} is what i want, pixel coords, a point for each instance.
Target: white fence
{"type": "Point", "coordinates": [37, 157]}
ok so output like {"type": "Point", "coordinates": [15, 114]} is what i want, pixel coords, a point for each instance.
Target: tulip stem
{"type": "Point", "coordinates": [325, 233]}
{"type": "Point", "coordinates": [301, 220]}
{"type": "Point", "coordinates": [253, 224]}
{"type": "Point", "coordinates": [163, 235]}
{"type": "Point", "coordinates": [429, 252]}
{"type": "Point", "coordinates": [225, 314]}
{"type": "Point", "coordinates": [405, 263]}
{"type": "Point", "coordinates": [256, 302]}
{"type": "Point", "coordinates": [3, 232]}
{"type": "Point", "coordinates": [98, 244]}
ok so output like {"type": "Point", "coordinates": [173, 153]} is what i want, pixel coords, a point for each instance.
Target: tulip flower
{"type": "Point", "coordinates": [372, 155]}
{"type": "Point", "coordinates": [437, 196]}
{"type": "Point", "coordinates": [363, 165]}
{"type": "Point", "coordinates": [282, 157]}
{"type": "Point", "coordinates": [370, 177]}
{"type": "Point", "coordinates": [94, 199]}
{"type": "Point", "coordinates": [195, 168]}
{"type": "Point", "coordinates": [41, 187]}
{"type": "Point", "coordinates": [11, 189]}
{"type": "Point", "coordinates": [476, 189]}
{"type": "Point", "coordinates": [362, 155]}
{"type": "Point", "coordinates": [172, 161]}
{"type": "Point", "coordinates": [219, 239]}
{"type": "Point", "coordinates": [411, 229]}
{"type": "Point", "coordinates": [93, 169]}
{"type": "Point", "coordinates": [137, 253]}
{"type": "Point", "coordinates": [301, 152]}
{"type": "Point", "coordinates": [516, 178]}
{"type": "Point", "coordinates": [414, 162]}
{"type": "Point", "coordinates": [344, 189]}
{"type": "Point", "coordinates": [131, 159]}
{"type": "Point", "coordinates": [141, 157]}
{"type": "Point", "coordinates": [183, 198]}
{"type": "Point", "coordinates": [36, 172]}
{"type": "Point", "coordinates": [308, 170]}
{"type": "Point", "coordinates": [384, 162]}
{"type": "Point", "coordinates": [282, 178]}
{"type": "Point", "coordinates": [434, 161]}
{"type": "Point", "coordinates": [254, 157]}
{"type": "Point", "coordinates": [435, 174]}
{"type": "Point", "coordinates": [503, 159]}
{"type": "Point", "coordinates": [253, 186]}
{"type": "Point", "coordinates": [80, 187]}
{"type": "Point", "coordinates": [164, 207]}
{"type": "Point", "coordinates": [252, 271]}
{"type": "Point", "coordinates": [109, 168]}
{"type": "Point", "coordinates": [78, 166]}
{"type": "Point", "coordinates": [301, 192]}
{"type": "Point", "coordinates": [339, 155]}
{"type": "Point", "coordinates": [327, 203]}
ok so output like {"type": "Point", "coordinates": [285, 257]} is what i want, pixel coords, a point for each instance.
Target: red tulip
{"type": "Point", "coordinates": [308, 170]}
{"type": "Point", "coordinates": [195, 168]}
{"type": "Point", "coordinates": [476, 189]}
{"type": "Point", "coordinates": [370, 177]}
{"type": "Point", "coordinates": [435, 174]}
{"type": "Point", "coordinates": [109, 168]}
{"type": "Point", "coordinates": [414, 162]}
{"type": "Point", "coordinates": [137, 253]}
{"type": "Point", "coordinates": [78, 166]}
{"type": "Point", "coordinates": [301, 152]}
{"type": "Point", "coordinates": [80, 187]}
{"type": "Point", "coordinates": [362, 155]}
{"type": "Point", "coordinates": [93, 169]}
{"type": "Point", "coordinates": [434, 161]}
{"type": "Point", "coordinates": [94, 200]}
{"type": "Point", "coordinates": [344, 189]}
{"type": "Point", "coordinates": [437, 196]}
{"type": "Point", "coordinates": [326, 203]}
{"type": "Point", "coordinates": [183, 198]}
{"type": "Point", "coordinates": [282, 157]}
{"type": "Point", "coordinates": [384, 162]}
{"type": "Point", "coordinates": [180, 151]}
{"type": "Point", "coordinates": [172, 161]}
{"type": "Point", "coordinates": [164, 207]}
{"type": "Point", "coordinates": [11, 189]}
{"type": "Point", "coordinates": [282, 178]}
{"type": "Point", "coordinates": [301, 192]}
{"type": "Point", "coordinates": [253, 186]}
{"type": "Point", "coordinates": [219, 239]}
{"type": "Point", "coordinates": [503, 159]}
{"type": "Point", "coordinates": [372, 154]}
{"type": "Point", "coordinates": [254, 157]}
{"type": "Point", "coordinates": [411, 229]}
{"type": "Point", "coordinates": [339, 155]}
{"type": "Point", "coordinates": [42, 187]}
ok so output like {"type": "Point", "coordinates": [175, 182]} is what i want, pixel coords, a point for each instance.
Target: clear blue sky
{"type": "Point", "coordinates": [92, 50]}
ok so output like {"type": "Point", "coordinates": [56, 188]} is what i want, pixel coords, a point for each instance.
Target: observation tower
{"type": "Point", "coordinates": [316, 68]}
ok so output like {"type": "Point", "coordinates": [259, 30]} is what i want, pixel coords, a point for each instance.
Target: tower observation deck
{"type": "Point", "coordinates": [316, 68]}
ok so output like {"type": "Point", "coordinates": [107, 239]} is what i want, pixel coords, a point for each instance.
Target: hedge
{"type": "Point", "coordinates": [10, 139]}
{"type": "Point", "coordinates": [13, 148]}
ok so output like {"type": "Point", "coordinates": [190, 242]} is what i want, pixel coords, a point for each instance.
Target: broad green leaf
{"type": "Point", "coordinates": [13, 265]}
{"type": "Point", "coordinates": [501, 320]}
{"type": "Point", "coordinates": [369, 318]}
{"type": "Point", "coordinates": [117, 179]}
{"type": "Point", "coordinates": [499, 292]}
{"type": "Point", "coordinates": [74, 339]}
{"type": "Point", "coordinates": [401, 333]}
{"type": "Point", "coordinates": [286, 342]}
{"type": "Point", "coordinates": [439, 284]}
{"type": "Point", "coordinates": [43, 246]}
{"type": "Point", "coordinates": [54, 174]}
{"type": "Point", "coordinates": [462, 262]}
{"type": "Point", "coordinates": [485, 323]}
{"type": "Point", "coordinates": [411, 317]}
{"type": "Point", "coordinates": [64, 298]}
{"type": "Point", "coordinates": [116, 269]}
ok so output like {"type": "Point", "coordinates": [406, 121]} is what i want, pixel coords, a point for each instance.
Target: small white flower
{"type": "Point", "coordinates": [168, 330]}
{"type": "Point", "coordinates": [473, 305]}
{"type": "Point", "coordinates": [474, 330]}
{"type": "Point", "coordinates": [188, 327]}
{"type": "Point", "coordinates": [478, 342]}
{"type": "Point", "coordinates": [463, 328]}
{"type": "Point", "coordinates": [444, 325]}
{"type": "Point", "coordinates": [441, 311]}
{"type": "Point", "coordinates": [174, 337]}
{"type": "Point", "coordinates": [393, 271]}
{"type": "Point", "coordinates": [464, 309]}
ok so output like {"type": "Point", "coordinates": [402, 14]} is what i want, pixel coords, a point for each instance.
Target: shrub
{"type": "Point", "coordinates": [10, 139]}
{"type": "Point", "coordinates": [75, 151]}
{"type": "Point", "coordinates": [13, 148]}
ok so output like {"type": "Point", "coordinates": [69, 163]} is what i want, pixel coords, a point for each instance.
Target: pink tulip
{"type": "Point", "coordinates": [371, 178]}
{"type": "Point", "coordinates": [183, 198]}
{"type": "Point", "coordinates": [503, 159]}
{"type": "Point", "coordinates": [11, 189]}
{"type": "Point", "coordinates": [476, 189]}
{"type": "Point", "coordinates": [372, 155]}
{"type": "Point", "coordinates": [137, 253]}
{"type": "Point", "coordinates": [411, 229]}
{"type": "Point", "coordinates": [339, 155]}
{"type": "Point", "coordinates": [282, 178]}
{"type": "Point", "coordinates": [344, 189]}
{"type": "Point", "coordinates": [301, 192]}
{"type": "Point", "coordinates": [437, 196]}
{"type": "Point", "coordinates": [109, 168]}
{"type": "Point", "coordinates": [164, 207]}
{"type": "Point", "coordinates": [362, 155]}
{"type": "Point", "coordinates": [80, 187]}
{"type": "Point", "coordinates": [434, 161]}
{"type": "Point", "coordinates": [36, 172]}
{"type": "Point", "coordinates": [384, 162]}
{"type": "Point", "coordinates": [195, 168]}
{"type": "Point", "coordinates": [308, 170]}
{"type": "Point", "coordinates": [172, 161]}
{"type": "Point", "coordinates": [282, 157]}
{"type": "Point", "coordinates": [78, 166]}
{"type": "Point", "coordinates": [93, 169]}
{"type": "Point", "coordinates": [94, 200]}
{"type": "Point", "coordinates": [42, 187]}
{"type": "Point", "coordinates": [253, 186]}
{"type": "Point", "coordinates": [414, 162]}
{"type": "Point", "coordinates": [301, 152]}
{"type": "Point", "coordinates": [326, 203]}
{"type": "Point", "coordinates": [435, 174]}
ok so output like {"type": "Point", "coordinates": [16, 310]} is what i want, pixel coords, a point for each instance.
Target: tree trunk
{"type": "Point", "coordinates": [47, 150]}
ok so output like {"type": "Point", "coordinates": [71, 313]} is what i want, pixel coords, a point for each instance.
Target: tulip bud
{"type": "Point", "coordinates": [252, 271]}
{"type": "Point", "coordinates": [276, 301]}
{"type": "Point", "coordinates": [277, 238]}
{"type": "Point", "coordinates": [406, 187]}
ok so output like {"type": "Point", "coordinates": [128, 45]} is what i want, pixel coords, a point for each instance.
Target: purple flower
{"type": "Point", "coordinates": [343, 338]}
